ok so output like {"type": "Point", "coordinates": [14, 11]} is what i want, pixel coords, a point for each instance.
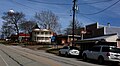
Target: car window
{"type": "Point", "coordinates": [65, 47]}
{"type": "Point", "coordinates": [74, 48]}
{"type": "Point", "coordinates": [95, 49]}
{"type": "Point", "coordinates": [116, 50]}
{"type": "Point", "coordinates": [105, 49]}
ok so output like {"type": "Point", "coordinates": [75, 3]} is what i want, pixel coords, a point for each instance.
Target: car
{"type": "Point", "coordinates": [102, 53]}
{"type": "Point", "coordinates": [69, 50]}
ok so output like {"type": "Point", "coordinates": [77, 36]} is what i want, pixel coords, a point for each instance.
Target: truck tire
{"type": "Point", "coordinates": [84, 57]}
{"type": "Point", "coordinates": [100, 60]}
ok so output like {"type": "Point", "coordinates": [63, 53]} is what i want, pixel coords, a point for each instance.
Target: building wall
{"type": "Point", "coordinates": [118, 43]}
{"type": "Point", "coordinates": [112, 38]}
{"type": "Point", "coordinates": [111, 30]}
{"type": "Point", "coordinates": [42, 35]}
{"type": "Point", "coordinates": [94, 30]}
{"type": "Point", "coordinates": [92, 27]}
{"type": "Point", "coordinates": [98, 32]}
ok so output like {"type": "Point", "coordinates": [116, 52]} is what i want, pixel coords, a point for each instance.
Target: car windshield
{"type": "Point", "coordinates": [116, 50]}
{"type": "Point", "coordinates": [111, 49]}
{"type": "Point", "coordinates": [74, 48]}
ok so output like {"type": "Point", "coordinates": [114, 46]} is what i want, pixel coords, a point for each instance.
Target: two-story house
{"type": "Point", "coordinates": [41, 35]}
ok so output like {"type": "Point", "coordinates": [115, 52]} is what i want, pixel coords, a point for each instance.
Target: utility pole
{"type": "Point", "coordinates": [74, 12]}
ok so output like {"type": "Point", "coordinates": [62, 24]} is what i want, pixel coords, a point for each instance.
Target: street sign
{"type": "Point", "coordinates": [53, 38]}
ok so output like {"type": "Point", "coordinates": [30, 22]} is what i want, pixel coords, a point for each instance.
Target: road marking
{"type": "Point", "coordinates": [4, 61]}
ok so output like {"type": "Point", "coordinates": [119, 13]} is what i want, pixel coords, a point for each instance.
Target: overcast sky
{"type": "Point", "coordinates": [90, 11]}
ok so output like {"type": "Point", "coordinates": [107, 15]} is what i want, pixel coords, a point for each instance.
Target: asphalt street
{"type": "Point", "coordinates": [19, 56]}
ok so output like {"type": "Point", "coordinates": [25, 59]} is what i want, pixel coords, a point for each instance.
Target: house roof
{"type": "Point", "coordinates": [101, 37]}
{"type": "Point", "coordinates": [36, 27]}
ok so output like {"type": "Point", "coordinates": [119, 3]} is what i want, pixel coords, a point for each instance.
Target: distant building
{"type": "Point", "coordinates": [22, 37]}
{"type": "Point", "coordinates": [95, 30]}
{"type": "Point", "coordinates": [104, 34]}
{"type": "Point", "coordinates": [63, 39]}
{"type": "Point", "coordinates": [41, 35]}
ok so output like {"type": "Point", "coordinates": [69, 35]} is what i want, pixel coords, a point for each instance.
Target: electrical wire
{"type": "Point", "coordinates": [23, 5]}
{"type": "Point", "coordinates": [102, 10]}
{"type": "Point", "coordinates": [66, 3]}
{"type": "Point", "coordinates": [88, 18]}
{"type": "Point", "coordinates": [95, 2]}
{"type": "Point", "coordinates": [48, 3]}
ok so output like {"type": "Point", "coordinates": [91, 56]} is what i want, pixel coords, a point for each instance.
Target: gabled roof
{"type": "Point", "coordinates": [36, 27]}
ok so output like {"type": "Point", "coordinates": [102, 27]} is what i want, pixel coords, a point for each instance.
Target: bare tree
{"type": "Point", "coordinates": [27, 26]}
{"type": "Point", "coordinates": [48, 20]}
{"type": "Point", "coordinates": [13, 19]}
{"type": "Point", "coordinates": [77, 26]}
{"type": "Point", "coordinates": [7, 29]}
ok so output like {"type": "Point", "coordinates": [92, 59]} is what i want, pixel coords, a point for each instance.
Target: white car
{"type": "Point", "coordinates": [69, 50]}
{"type": "Point", "coordinates": [102, 53]}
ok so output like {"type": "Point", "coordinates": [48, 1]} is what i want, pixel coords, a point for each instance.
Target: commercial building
{"type": "Point", "coordinates": [99, 34]}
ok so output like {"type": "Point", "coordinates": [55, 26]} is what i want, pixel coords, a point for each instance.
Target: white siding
{"type": "Point", "coordinates": [43, 35]}
{"type": "Point", "coordinates": [112, 38]}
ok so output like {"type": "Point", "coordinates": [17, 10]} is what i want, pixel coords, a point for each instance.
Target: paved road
{"type": "Point", "coordinates": [18, 56]}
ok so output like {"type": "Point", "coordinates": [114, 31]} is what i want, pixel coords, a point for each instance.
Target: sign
{"type": "Point", "coordinates": [83, 32]}
{"type": "Point", "coordinates": [53, 38]}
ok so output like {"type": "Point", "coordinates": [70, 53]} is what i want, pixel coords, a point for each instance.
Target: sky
{"type": "Point", "coordinates": [90, 11]}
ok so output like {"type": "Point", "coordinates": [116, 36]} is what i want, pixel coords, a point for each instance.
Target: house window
{"type": "Point", "coordinates": [37, 32]}
{"type": "Point", "coordinates": [47, 38]}
{"type": "Point", "coordinates": [34, 33]}
{"type": "Point", "coordinates": [49, 33]}
{"type": "Point", "coordinates": [42, 33]}
{"type": "Point", "coordinates": [34, 38]}
{"type": "Point", "coordinates": [46, 33]}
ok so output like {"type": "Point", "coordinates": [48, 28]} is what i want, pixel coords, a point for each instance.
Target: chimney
{"type": "Point", "coordinates": [108, 24]}
{"type": "Point", "coordinates": [48, 27]}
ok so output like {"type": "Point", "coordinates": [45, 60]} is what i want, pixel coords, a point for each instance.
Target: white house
{"type": "Point", "coordinates": [41, 35]}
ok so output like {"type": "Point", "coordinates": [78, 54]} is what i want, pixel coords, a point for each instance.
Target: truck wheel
{"type": "Point", "coordinates": [59, 53]}
{"type": "Point", "coordinates": [84, 57]}
{"type": "Point", "coordinates": [66, 54]}
{"type": "Point", "coordinates": [100, 60]}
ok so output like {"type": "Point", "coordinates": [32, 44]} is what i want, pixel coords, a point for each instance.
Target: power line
{"type": "Point", "coordinates": [94, 2]}
{"type": "Point", "coordinates": [102, 10]}
{"type": "Point", "coordinates": [88, 18]}
{"type": "Point", "coordinates": [66, 3]}
{"type": "Point", "coordinates": [49, 3]}
{"type": "Point", "coordinates": [23, 5]}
